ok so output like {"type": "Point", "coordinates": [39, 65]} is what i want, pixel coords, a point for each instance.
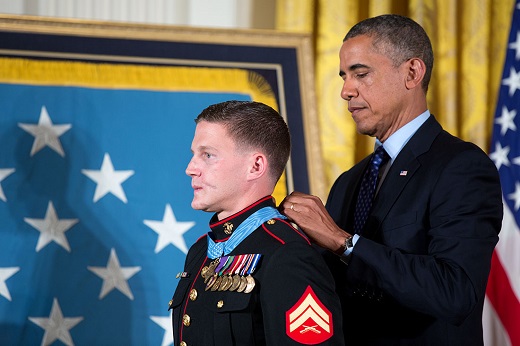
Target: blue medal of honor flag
{"type": "Point", "coordinates": [95, 215]}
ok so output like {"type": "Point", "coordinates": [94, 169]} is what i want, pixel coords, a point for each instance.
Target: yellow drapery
{"type": "Point", "coordinates": [469, 39]}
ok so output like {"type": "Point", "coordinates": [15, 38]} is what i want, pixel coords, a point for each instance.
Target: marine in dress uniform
{"type": "Point", "coordinates": [272, 288]}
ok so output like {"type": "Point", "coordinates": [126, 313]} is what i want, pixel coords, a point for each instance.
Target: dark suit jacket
{"type": "Point", "coordinates": [418, 273]}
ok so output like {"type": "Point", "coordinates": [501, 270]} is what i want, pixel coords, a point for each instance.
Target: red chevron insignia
{"type": "Point", "coordinates": [309, 321]}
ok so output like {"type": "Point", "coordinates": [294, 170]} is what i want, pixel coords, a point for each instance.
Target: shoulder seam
{"type": "Point", "coordinates": [292, 228]}
{"type": "Point", "coordinates": [297, 232]}
{"type": "Point", "coordinates": [272, 235]}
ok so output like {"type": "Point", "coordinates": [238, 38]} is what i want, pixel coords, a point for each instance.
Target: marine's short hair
{"type": "Point", "coordinates": [254, 125]}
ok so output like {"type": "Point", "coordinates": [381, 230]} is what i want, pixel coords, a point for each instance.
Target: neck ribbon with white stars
{"type": "Point", "coordinates": [243, 230]}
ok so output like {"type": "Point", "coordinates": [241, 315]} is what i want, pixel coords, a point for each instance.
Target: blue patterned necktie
{"type": "Point", "coordinates": [368, 188]}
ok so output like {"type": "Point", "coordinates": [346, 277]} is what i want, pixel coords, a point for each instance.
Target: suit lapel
{"type": "Point", "coordinates": [403, 169]}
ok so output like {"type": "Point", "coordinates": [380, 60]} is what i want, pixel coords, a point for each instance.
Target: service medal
{"type": "Point", "coordinates": [230, 282]}
{"type": "Point", "coordinates": [223, 283]}
{"type": "Point", "coordinates": [213, 265]}
{"type": "Point", "coordinates": [204, 271]}
{"type": "Point", "coordinates": [243, 284]}
{"type": "Point", "coordinates": [217, 283]}
{"type": "Point", "coordinates": [210, 272]}
{"type": "Point", "coordinates": [211, 281]}
{"type": "Point", "coordinates": [250, 284]}
{"type": "Point", "coordinates": [236, 283]}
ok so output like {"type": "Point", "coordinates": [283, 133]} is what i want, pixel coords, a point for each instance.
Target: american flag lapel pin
{"type": "Point", "coordinates": [403, 173]}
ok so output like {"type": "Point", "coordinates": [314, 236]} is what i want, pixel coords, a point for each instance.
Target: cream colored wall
{"type": "Point", "coordinates": [249, 14]}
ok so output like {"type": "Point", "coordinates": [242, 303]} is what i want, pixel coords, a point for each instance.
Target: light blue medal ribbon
{"type": "Point", "coordinates": [243, 230]}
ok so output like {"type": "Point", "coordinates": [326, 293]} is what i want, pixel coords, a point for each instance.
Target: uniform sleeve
{"type": "Point", "coordinates": [298, 300]}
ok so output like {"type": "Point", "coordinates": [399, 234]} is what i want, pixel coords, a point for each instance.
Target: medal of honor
{"type": "Point", "coordinates": [217, 248]}
{"type": "Point", "coordinates": [234, 273]}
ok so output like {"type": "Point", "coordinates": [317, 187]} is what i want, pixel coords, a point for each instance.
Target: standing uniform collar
{"type": "Point", "coordinates": [221, 230]}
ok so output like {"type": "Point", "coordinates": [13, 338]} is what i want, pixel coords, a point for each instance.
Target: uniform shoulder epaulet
{"type": "Point", "coordinates": [284, 231]}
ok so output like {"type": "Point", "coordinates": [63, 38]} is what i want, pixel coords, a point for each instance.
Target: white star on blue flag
{"type": "Point", "coordinates": [93, 190]}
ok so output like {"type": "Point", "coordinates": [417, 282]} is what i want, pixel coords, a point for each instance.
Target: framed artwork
{"type": "Point", "coordinates": [95, 132]}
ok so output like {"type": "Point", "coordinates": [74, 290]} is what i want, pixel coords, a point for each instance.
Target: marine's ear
{"type": "Point", "coordinates": [258, 166]}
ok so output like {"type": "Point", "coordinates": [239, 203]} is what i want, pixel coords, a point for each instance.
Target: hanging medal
{"type": "Point", "coordinates": [214, 277]}
{"type": "Point", "coordinates": [208, 271]}
{"type": "Point", "coordinates": [236, 274]}
{"type": "Point", "coordinates": [243, 281]}
{"type": "Point", "coordinates": [250, 280]}
{"type": "Point", "coordinates": [219, 271]}
{"type": "Point", "coordinates": [224, 273]}
{"type": "Point", "coordinates": [228, 274]}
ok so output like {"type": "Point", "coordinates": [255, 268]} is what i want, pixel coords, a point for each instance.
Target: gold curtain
{"type": "Point", "coordinates": [469, 39]}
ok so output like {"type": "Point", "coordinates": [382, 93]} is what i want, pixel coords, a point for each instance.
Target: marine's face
{"type": "Point", "coordinates": [217, 169]}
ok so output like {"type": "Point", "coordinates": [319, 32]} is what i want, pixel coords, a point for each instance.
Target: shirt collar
{"type": "Point", "coordinates": [398, 140]}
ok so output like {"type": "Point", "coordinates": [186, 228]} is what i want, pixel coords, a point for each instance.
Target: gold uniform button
{"type": "Point", "coordinates": [183, 343]}
{"type": "Point", "coordinates": [186, 320]}
{"type": "Point", "coordinates": [220, 304]}
{"type": "Point", "coordinates": [270, 222]}
{"type": "Point", "coordinates": [193, 295]}
{"type": "Point", "coordinates": [170, 303]}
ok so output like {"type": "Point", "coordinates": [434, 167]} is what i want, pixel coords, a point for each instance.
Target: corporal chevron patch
{"type": "Point", "coordinates": [309, 321]}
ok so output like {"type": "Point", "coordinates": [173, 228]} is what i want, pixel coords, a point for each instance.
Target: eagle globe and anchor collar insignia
{"type": "Point", "coordinates": [309, 321]}
{"type": "Point", "coordinates": [228, 228]}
